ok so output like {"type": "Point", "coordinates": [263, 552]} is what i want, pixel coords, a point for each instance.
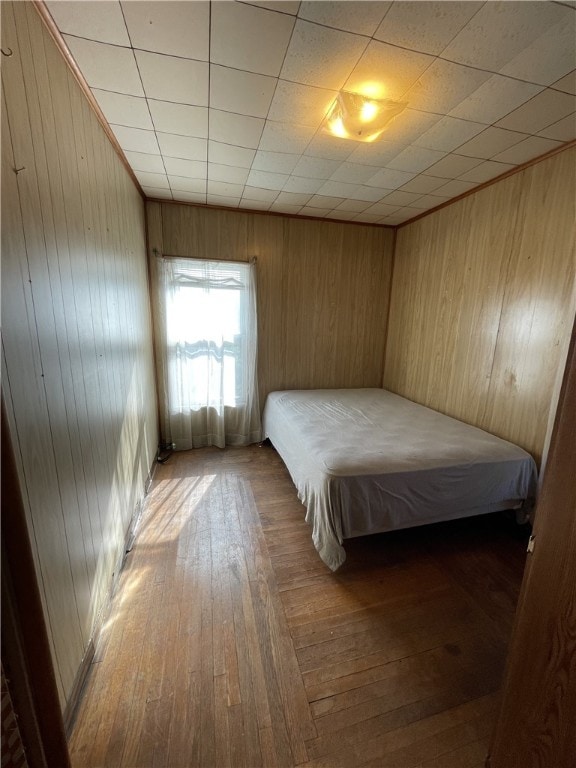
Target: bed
{"type": "Point", "coordinates": [367, 461]}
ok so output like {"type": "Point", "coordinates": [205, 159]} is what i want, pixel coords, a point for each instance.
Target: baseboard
{"type": "Point", "coordinates": [81, 679]}
{"type": "Point", "coordinates": [71, 709]}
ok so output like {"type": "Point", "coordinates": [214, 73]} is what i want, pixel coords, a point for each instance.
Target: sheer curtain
{"type": "Point", "coordinates": [208, 352]}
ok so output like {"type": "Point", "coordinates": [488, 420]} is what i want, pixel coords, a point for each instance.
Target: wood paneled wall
{"type": "Point", "coordinates": [322, 289]}
{"type": "Point", "coordinates": [77, 355]}
{"type": "Point", "coordinates": [483, 302]}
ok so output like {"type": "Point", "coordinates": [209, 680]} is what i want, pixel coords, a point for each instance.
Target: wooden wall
{"type": "Point", "coordinates": [322, 289]}
{"type": "Point", "coordinates": [483, 303]}
{"type": "Point", "coordinates": [77, 365]}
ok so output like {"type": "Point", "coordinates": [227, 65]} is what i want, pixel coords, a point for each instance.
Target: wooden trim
{"type": "Point", "coordinates": [495, 180]}
{"type": "Point", "coordinates": [65, 51]}
{"type": "Point", "coordinates": [25, 647]}
{"type": "Point", "coordinates": [269, 213]}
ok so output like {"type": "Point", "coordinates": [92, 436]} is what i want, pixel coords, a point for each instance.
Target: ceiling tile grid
{"type": "Point", "coordinates": [224, 103]}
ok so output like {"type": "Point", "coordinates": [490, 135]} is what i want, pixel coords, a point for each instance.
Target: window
{"type": "Point", "coordinates": [210, 334]}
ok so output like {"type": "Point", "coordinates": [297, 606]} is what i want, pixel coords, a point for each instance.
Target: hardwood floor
{"type": "Point", "coordinates": [229, 642]}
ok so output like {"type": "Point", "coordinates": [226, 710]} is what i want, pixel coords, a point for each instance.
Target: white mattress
{"type": "Point", "coordinates": [366, 460]}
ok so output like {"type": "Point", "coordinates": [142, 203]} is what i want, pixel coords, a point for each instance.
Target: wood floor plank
{"type": "Point", "coordinates": [229, 643]}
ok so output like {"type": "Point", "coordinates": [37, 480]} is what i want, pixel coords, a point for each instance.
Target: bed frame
{"type": "Point", "coordinates": [366, 461]}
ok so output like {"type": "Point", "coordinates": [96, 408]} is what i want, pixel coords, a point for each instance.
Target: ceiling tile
{"type": "Point", "coordinates": [371, 194]}
{"type": "Point", "coordinates": [168, 78]}
{"type": "Point", "coordinates": [223, 200]}
{"type": "Point", "coordinates": [423, 184]}
{"type": "Point", "coordinates": [449, 133]}
{"type": "Point", "coordinates": [330, 147]}
{"type": "Point", "coordinates": [92, 20]}
{"type": "Point", "coordinates": [360, 17]}
{"type": "Point", "coordinates": [142, 161]}
{"type": "Point", "coordinates": [549, 57]}
{"type": "Point", "coordinates": [425, 26]}
{"type": "Point", "coordinates": [382, 209]}
{"type": "Point", "coordinates": [156, 180]}
{"type": "Point", "coordinates": [136, 140]}
{"type": "Point", "coordinates": [106, 66]}
{"type": "Point", "coordinates": [532, 147]}
{"type": "Point", "coordinates": [443, 86]}
{"type": "Point", "coordinates": [428, 201]}
{"type": "Point", "coordinates": [544, 109]}
{"type": "Point", "coordinates": [292, 198]}
{"type": "Point", "coordinates": [249, 38]}
{"type": "Point", "coordinates": [267, 180]}
{"type": "Point", "coordinates": [367, 218]}
{"type": "Point", "coordinates": [317, 212]}
{"type": "Point", "coordinates": [486, 171]}
{"type": "Point", "coordinates": [315, 168]}
{"type": "Point", "coordinates": [176, 28]}
{"type": "Point", "coordinates": [500, 31]}
{"type": "Point", "coordinates": [454, 188]}
{"type": "Point", "coordinates": [240, 92]}
{"type": "Point", "coordinates": [341, 215]}
{"type": "Point", "coordinates": [354, 206]}
{"type": "Point", "coordinates": [181, 119]}
{"type": "Point", "coordinates": [281, 6]}
{"type": "Point", "coordinates": [388, 178]}
{"type": "Point", "coordinates": [324, 201]}
{"type": "Point", "coordinates": [298, 184]}
{"type": "Point", "coordinates": [183, 147]}
{"type": "Point", "coordinates": [227, 154]}
{"type": "Point", "coordinates": [407, 127]}
{"type": "Point", "coordinates": [563, 130]}
{"type": "Point", "coordinates": [263, 195]}
{"type": "Point", "coordinates": [404, 214]}
{"type": "Point", "coordinates": [300, 104]}
{"type": "Point", "coordinates": [393, 69]}
{"type": "Point", "coordinates": [224, 188]}
{"type": "Point", "coordinates": [121, 109]}
{"type": "Point", "coordinates": [379, 153]}
{"type": "Point", "coordinates": [194, 169]}
{"type": "Point", "coordinates": [354, 173]}
{"type": "Point", "coordinates": [415, 159]}
{"type": "Point", "coordinates": [239, 130]}
{"type": "Point", "coordinates": [321, 56]}
{"type": "Point", "coordinates": [566, 84]}
{"type": "Point", "coordinates": [337, 189]}
{"type": "Point", "coordinates": [494, 99]}
{"type": "Point", "coordinates": [156, 193]}
{"type": "Point", "coordinates": [489, 143]}
{"type": "Point", "coordinates": [285, 208]}
{"type": "Point", "coordinates": [452, 166]}
{"type": "Point", "coordinates": [254, 205]}
{"type": "Point", "coordinates": [400, 198]}
{"type": "Point", "coordinates": [190, 197]}
{"type": "Point", "coordinates": [275, 162]}
{"type": "Point", "coordinates": [227, 173]}
{"type": "Point", "coordinates": [283, 137]}
{"type": "Point", "coordinates": [186, 184]}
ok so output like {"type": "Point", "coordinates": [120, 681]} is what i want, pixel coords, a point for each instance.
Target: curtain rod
{"type": "Point", "coordinates": [251, 260]}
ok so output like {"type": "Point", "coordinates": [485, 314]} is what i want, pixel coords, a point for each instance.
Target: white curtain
{"type": "Point", "coordinates": [209, 334]}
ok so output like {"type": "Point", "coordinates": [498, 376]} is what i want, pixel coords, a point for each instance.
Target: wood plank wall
{"type": "Point", "coordinates": [77, 355]}
{"type": "Point", "coordinates": [322, 289]}
{"type": "Point", "coordinates": [483, 303]}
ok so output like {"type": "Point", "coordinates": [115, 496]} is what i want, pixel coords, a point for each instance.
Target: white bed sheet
{"type": "Point", "coordinates": [367, 460]}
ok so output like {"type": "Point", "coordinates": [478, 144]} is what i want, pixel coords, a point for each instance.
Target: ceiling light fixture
{"type": "Point", "coordinates": [361, 118]}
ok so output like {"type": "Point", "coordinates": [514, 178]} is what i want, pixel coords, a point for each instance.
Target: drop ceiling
{"type": "Point", "coordinates": [223, 103]}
